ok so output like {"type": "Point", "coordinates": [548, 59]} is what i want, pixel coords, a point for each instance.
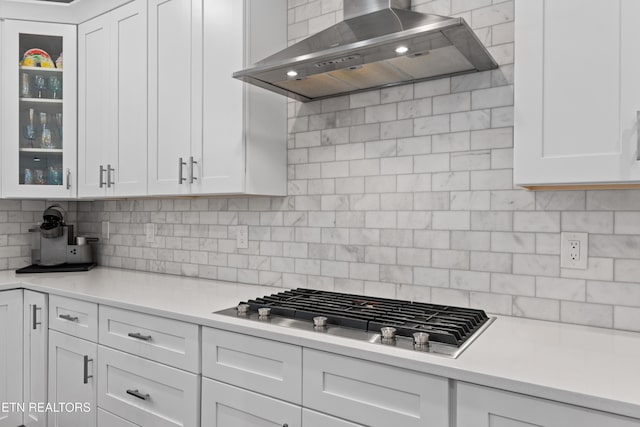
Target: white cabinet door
{"type": "Point", "coordinates": [72, 378]}
{"type": "Point", "coordinates": [243, 145]}
{"type": "Point", "coordinates": [10, 355]}
{"type": "Point", "coordinates": [479, 406]}
{"type": "Point", "coordinates": [39, 163]}
{"type": "Point", "coordinates": [95, 138]}
{"type": "Point", "coordinates": [112, 146]}
{"type": "Point", "coordinates": [174, 56]}
{"type": "Point", "coordinates": [129, 88]}
{"type": "Point", "coordinates": [577, 94]}
{"type": "Point", "coordinates": [227, 406]}
{"type": "Point", "coordinates": [222, 150]}
{"type": "Point", "coordinates": [35, 354]}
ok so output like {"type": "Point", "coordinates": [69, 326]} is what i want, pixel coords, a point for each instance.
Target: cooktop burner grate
{"type": "Point", "coordinates": [445, 324]}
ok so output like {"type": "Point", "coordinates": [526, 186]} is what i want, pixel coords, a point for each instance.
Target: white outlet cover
{"type": "Point", "coordinates": [566, 261]}
{"type": "Point", "coordinates": [242, 234]}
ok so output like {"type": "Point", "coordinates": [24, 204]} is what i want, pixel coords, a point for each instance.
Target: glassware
{"type": "Point", "coordinates": [28, 177]}
{"type": "Point", "coordinates": [29, 129]}
{"type": "Point", "coordinates": [55, 84]}
{"type": "Point", "coordinates": [46, 141]}
{"type": "Point", "coordinates": [25, 86]}
{"type": "Point", "coordinates": [54, 176]}
{"type": "Point", "coordinates": [38, 177]}
{"type": "Point", "coordinates": [41, 84]}
{"type": "Point", "coordinates": [58, 127]}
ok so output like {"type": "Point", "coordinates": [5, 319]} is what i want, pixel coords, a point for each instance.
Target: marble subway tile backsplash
{"type": "Point", "coordinates": [403, 192]}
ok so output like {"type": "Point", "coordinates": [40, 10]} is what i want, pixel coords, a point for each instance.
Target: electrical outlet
{"type": "Point", "coordinates": [150, 232]}
{"type": "Point", "coordinates": [242, 235]}
{"type": "Point", "coordinates": [105, 230]}
{"type": "Point", "coordinates": [574, 250]}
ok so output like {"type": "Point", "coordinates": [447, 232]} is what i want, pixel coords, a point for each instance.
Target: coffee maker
{"type": "Point", "coordinates": [55, 246]}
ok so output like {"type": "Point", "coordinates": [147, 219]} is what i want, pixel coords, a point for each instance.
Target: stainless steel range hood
{"type": "Point", "coordinates": [380, 43]}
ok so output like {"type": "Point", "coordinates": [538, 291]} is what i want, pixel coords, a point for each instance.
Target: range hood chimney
{"type": "Point", "coordinates": [380, 43]}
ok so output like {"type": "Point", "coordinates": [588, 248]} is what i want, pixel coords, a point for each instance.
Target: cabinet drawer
{"type": "Point", "coordinates": [147, 393]}
{"type": "Point", "coordinates": [316, 419]}
{"type": "Point", "coordinates": [260, 365]}
{"type": "Point", "coordinates": [373, 394]}
{"type": "Point", "coordinates": [107, 419]}
{"type": "Point", "coordinates": [74, 317]}
{"type": "Point", "coordinates": [164, 340]}
{"type": "Point", "coordinates": [227, 406]}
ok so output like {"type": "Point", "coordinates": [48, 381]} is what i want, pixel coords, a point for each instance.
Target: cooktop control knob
{"type": "Point", "coordinates": [264, 312]}
{"type": "Point", "coordinates": [320, 322]}
{"type": "Point", "coordinates": [388, 333]}
{"type": "Point", "coordinates": [421, 340]}
{"type": "Point", "coordinates": [243, 308]}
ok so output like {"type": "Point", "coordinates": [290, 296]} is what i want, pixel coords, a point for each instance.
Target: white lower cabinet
{"type": "Point", "coordinates": [373, 394]}
{"type": "Point", "coordinates": [72, 378]}
{"type": "Point", "coordinates": [10, 355]}
{"type": "Point", "coordinates": [316, 419]}
{"type": "Point", "coordinates": [479, 406]}
{"type": "Point", "coordinates": [35, 345]}
{"type": "Point", "coordinates": [147, 393]}
{"type": "Point", "coordinates": [227, 406]}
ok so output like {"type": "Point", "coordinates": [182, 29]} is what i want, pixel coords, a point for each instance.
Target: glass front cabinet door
{"type": "Point", "coordinates": [39, 126]}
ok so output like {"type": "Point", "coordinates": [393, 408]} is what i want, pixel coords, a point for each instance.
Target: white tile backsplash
{"type": "Point", "coordinates": [402, 192]}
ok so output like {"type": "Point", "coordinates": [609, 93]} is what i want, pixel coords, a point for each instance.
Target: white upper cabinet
{"type": "Point", "coordinates": [210, 133]}
{"type": "Point", "coordinates": [173, 92]}
{"type": "Point", "coordinates": [577, 92]}
{"type": "Point", "coordinates": [112, 146]}
{"type": "Point", "coordinates": [39, 100]}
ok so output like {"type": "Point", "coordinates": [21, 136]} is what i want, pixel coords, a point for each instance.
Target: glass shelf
{"type": "Point", "coordinates": [42, 150]}
{"type": "Point", "coordinates": [39, 69]}
{"type": "Point", "coordinates": [41, 100]}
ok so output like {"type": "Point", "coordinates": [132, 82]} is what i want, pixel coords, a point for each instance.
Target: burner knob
{"type": "Point", "coordinates": [243, 308]}
{"type": "Point", "coordinates": [320, 321]}
{"type": "Point", "coordinates": [264, 312]}
{"type": "Point", "coordinates": [421, 339]}
{"type": "Point", "coordinates": [388, 333]}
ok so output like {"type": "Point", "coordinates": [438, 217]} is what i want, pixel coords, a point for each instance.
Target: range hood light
{"type": "Point", "coordinates": [292, 73]}
{"type": "Point", "coordinates": [402, 49]}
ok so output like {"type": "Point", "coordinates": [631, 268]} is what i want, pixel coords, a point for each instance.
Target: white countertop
{"type": "Point", "coordinates": [590, 367]}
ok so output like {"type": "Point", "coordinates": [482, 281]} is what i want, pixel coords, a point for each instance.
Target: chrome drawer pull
{"type": "Point", "coordinates": [86, 369]}
{"type": "Point", "coordinates": [136, 393]}
{"type": "Point", "coordinates": [34, 318]}
{"type": "Point", "coordinates": [68, 317]}
{"type": "Point", "coordinates": [139, 336]}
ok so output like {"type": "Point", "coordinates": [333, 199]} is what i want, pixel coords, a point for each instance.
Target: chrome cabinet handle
{"type": "Point", "coordinates": [34, 311]}
{"type": "Point", "coordinates": [136, 393]}
{"type": "Point", "coordinates": [68, 179]}
{"type": "Point", "coordinates": [68, 317]}
{"type": "Point", "coordinates": [638, 134]}
{"type": "Point", "coordinates": [109, 181]}
{"type": "Point", "coordinates": [86, 369]}
{"type": "Point", "coordinates": [139, 336]}
{"type": "Point", "coordinates": [100, 179]}
{"type": "Point", "coordinates": [192, 177]}
{"type": "Point", "coordinates": [181, 164]}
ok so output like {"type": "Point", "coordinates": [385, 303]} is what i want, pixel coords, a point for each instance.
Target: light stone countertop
{"type": "Point", "coordinates": [590, 367]}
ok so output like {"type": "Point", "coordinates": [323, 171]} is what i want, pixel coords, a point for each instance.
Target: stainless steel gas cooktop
{"type": "Point", "coordinates": [436, 329]}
